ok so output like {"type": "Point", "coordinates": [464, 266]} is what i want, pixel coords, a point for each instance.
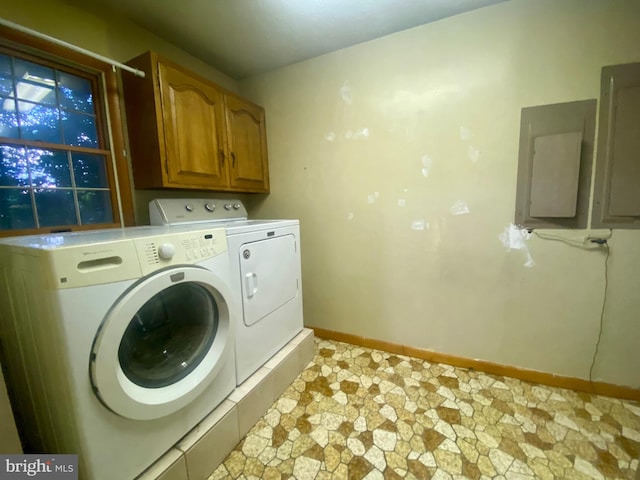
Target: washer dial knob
{"type": "Point", "coordinates": [188, 207]}
{"type": "Point", "coordinates": [209, 207]}
{"type": "Point", "coordinates": [227, 206]}
{"type": "Point", "coordinates": [166, 251]}
{"type": "Point", "coordinates": [236, 206]}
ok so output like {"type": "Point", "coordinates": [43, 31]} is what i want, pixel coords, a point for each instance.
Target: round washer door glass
{"type": "Point", "coordinates": [169, 336]}
{"type": "Point", "coordinates": [163, 343]}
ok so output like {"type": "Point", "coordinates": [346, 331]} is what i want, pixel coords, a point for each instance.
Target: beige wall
{"type": "Point", "coordinates": [369, 143]}
{"type": "Point", "coordinates": [103, 32]}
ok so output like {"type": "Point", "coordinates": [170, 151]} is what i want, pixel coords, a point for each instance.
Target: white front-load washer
{"type": "Point", "coordinates": [116, 342]}
{"type": "Point", "coordinates": [266, 276]}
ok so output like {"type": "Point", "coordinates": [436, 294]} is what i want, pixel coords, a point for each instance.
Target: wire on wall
{"type": "Point", "coordinates": [578, 243]}
{"type": "Point", "coordinates": [604, 304]}
{"type": "Point", "coordinates": [589, 245]}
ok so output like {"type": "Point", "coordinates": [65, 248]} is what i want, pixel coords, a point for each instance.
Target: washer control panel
{"type": "Point", "coordinates": [187, 247]}
{"type": "Point", "coordinates": [176, 211]}
{"type": "Point", "coordinates": [124, 254]}
{"type": "Point", "coordinates": [199, 248]}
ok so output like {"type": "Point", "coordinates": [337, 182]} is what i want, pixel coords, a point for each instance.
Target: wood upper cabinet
{"type": "Point", "coordinates": [187, 132]}
{"type": "Point", "coordinates": [193, 124]}
{"type": "Point", "coordinates": [247, 144]}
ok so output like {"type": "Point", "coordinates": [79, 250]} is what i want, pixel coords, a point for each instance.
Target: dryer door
{"type": "Point", "coordinates": [162, 343]}
{"type": "Point", "coordinates": [269, 270]}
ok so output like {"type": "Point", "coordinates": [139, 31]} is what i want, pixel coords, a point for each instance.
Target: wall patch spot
{"type": "Point", "coordinates": [402, 202]}
{"type": "Point", "coordinates": [419, 225]}
{"type": "Point", "coordinates": [345, 93]}
{"type": "Point", "coordinates": [371, 199]}
{"type": "Point", "coordinates": [362, 133]}
{"type": "Point", "coordinates": [530, 262]}
{"type": "Point", "coordinates": [350, 216]}
{"type": "Point", "coordinates": [348, 134]}
{"type": "Point", "coordinates": [330, 137]}
{"type": "Point", "coordinates": [426, 165]}
{"type": "Point", "coordinates": [459, 208]}
{"type": "Point", "coordinates": [515, 237]}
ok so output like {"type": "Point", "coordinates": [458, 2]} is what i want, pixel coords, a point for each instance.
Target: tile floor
{"type": "Point", "coordinates": [203, 449]}
{"type": "Point", "coordinates": [358, 413]}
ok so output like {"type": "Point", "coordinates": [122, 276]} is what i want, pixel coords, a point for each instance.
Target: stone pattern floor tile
{"type": "Point", "coordinates": [357, 413]}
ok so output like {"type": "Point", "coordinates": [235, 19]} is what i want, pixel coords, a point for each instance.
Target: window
{"type": "Point", "coordinates": [59, 167]}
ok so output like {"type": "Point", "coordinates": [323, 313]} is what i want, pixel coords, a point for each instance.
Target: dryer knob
{"type": "Point", "coordinates": [166, 251]}
{"type": "Point", "coordinates": [236, 206]}
{"type": "Point", "coordinates": [227, 206]}
{"type": "Point", "coordinates": [209, 207]}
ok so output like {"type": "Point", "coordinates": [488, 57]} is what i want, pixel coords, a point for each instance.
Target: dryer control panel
{"type": "Point", "coordinates": [178, 211]}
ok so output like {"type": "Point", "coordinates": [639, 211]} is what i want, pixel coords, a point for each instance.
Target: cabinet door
{"type": "Point", "coordinates": [247, 146]}
{"type": "Point", "coordinates": [193, 116]}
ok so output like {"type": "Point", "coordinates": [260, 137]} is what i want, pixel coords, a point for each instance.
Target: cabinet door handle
{"type": "Point", "coordinates": [221, 155]}
{"type": "Point", "coordinates": [233, 160]}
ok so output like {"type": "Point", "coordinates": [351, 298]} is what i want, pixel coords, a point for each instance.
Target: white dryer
{"type": "Point", "coordinates": [116, 342]}
{"type": "Point", "coordinates": [265, 272]}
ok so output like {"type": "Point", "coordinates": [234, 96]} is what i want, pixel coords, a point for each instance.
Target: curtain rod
{"type": "Point", "coordinates": [70, 46]}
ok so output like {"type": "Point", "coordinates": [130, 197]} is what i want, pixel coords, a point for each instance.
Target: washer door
{"type": "Point", "coordinates": [162, 343]}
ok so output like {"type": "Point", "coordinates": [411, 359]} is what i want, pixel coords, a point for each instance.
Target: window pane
{"type": "Point", "coordinates": [95, 206]}
{"type": "Point", "coordinates": [55, 207]}
{"type": "Point", "coordinates": [35, 83]}
{"type": "Point", "coordinates": [8, 118]}
{"type": "Point", "coordinates": [13, 166]}
{"type": "Point", "coordinates": [75, 92]}
{"type": "Point", "coordinates": [38, 122]}
{"type": "Point", "coordinates": [90, 170]}
{"type": "Point", "coordinates": [49, 168]}
{"type": "Point", "coordinates": [15, 209]}
{"type": "Point", "coordinates": [79, 129]}
{"type": "Point", "coordinates": [6, 79]}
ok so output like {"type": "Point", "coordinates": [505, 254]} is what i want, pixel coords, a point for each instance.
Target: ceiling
{"type": "Point", "coordinates": [243, 38]}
